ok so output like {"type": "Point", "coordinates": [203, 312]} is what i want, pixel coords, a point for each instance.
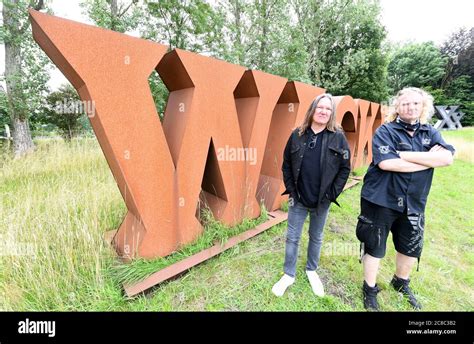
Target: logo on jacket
{"type": "Point", "coordinates": [426, 141]}
{"type": "Point", "coordinates": [383, 149]}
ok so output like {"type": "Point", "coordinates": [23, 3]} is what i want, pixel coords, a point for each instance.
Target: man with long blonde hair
{"type": "Point", "coordinates": [406, 149]}
{"type": "Point", "coordinates": [316, 165]}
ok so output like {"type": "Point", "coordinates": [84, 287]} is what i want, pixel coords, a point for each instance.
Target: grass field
{"type": "Point", "coordinates": [463, 140]}
{"type": "Point", "coordinates": [57, 203]}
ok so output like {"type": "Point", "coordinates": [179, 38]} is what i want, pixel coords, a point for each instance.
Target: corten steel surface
{"type": "Point", "coordinates": [164, 171]}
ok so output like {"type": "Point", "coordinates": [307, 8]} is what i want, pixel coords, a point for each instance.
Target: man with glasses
{"type": "Point", "coordinates": [316, 166]}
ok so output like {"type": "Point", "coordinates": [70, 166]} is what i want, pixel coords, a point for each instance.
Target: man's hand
{"type": "Point", "coordinates": [437, 148]}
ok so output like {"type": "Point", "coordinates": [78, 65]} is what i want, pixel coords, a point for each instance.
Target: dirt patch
{"type": "Point", "coordinates": [335, 227]}
{"type": "Point", "coordinates": [335, 289]}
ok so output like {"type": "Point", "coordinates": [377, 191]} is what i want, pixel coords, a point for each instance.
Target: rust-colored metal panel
{"type": "Point", "coordinates": [363, 121]}
{"type": "Point", "coordinates": [221, 141]}
{"type": "Point", "coordinates": [112, 70]}
{"type": "Point", "coordinates": [369, 119]}
{"type": "Point", "coordinates": [346, 115]}
{"type": "Point", "coordinates": [255, 115]}
{"type": "Point", "coordinates": [210, 125]}
{"type": "Point", "coordinates": [377, 120]}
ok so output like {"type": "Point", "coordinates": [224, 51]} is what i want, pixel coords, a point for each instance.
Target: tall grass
{"type": "Point", "coordinates": [58, 202]}
{"type": "Point", "coordinates": [215, 232]}
{"type": "Point", "coordinates": [463, 141]}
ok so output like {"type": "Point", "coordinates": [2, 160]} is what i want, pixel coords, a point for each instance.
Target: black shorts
{"type": "Point", "coordinates": [376, 221]}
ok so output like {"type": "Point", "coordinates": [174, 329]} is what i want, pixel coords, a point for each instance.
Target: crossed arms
{"type": "Point", "coordinates": [437, 156]}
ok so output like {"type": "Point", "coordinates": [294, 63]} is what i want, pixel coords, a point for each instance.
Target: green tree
{"type": "Point", "coordinates": [457, 86]}
{"type": "Point", "coordinates": [460, 92]}
{"type": "Point", "coordinates": [65, 110]}
{"type": "Point", "coordinates": [260, 35]}
{"type": "Point", "coordinates": [273, 44]}
{"type": "Point", "coordinates": [190, 24]}
{"type": "Point", "coordinates": [235, 15]}
{"type": "Point", "coordinates": [292, 60]}
{"type": "Point", "coordinates": [416, 65]}
{"type": "Point", "coordinates": [26, 71]}
{"type": "Point", "coordinates": [254, 34]}
{"type": "Point", "coordinates": [334, 44]}
{"type": "Point", "coordinates": [343, 40]}
{"type": "Point", "coordinates": [4, 118]}
{"type": "Point", "coordinates": [120, 16]}
{"type": "Point", "coordinates": [456, 49]}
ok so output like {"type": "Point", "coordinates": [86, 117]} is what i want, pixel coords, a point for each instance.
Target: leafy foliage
{"type": "Point", "coordinates": [416, 65]}
{"type": "Point", "coordinates": [112, 14]}
{"type": "Point", "coordinates": [343, 41]}
{"type": "Point", "coordinates": [64, 109]}
{"type": "Point", "coordinates": [28, 81]}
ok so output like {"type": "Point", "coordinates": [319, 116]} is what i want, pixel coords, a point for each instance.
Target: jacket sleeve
{"type": "Point", "coordinates": [344, 169]}
{"type": "Point", "coordinates": [288, 178]}
{"type": "Point", "coordinates": [437, 139]}
{"type": "Point", "coordinates": [383, 146]}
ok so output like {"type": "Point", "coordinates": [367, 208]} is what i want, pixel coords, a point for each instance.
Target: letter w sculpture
{"type": "Point", "coordinates": [163, 170]}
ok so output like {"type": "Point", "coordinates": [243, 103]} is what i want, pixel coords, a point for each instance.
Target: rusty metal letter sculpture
{"type": "Point", "coordinates": [163, 170]}
{"type": "Point", "coordinates": [449, 117]}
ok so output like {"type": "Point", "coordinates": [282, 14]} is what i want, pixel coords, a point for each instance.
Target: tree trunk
{"type": "Point", "coordinates": [22, 141]}
{"type": "Point", "coordinates": [114, 14]}
{"type": "Point", "coordinates": [238, 34]}
{"type": "Point", "coordinates": [262, 63]}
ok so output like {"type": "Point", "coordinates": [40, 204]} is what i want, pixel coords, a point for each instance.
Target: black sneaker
{"type": "Point", "coordinates": [401, 285]}
{"type": "Point", "coordinates": [370, 297]}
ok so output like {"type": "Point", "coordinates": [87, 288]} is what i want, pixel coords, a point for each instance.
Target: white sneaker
{"type": "Point", "coordinates": [315, 282]}
{"type": "Point", "coordinates": [280, 287]}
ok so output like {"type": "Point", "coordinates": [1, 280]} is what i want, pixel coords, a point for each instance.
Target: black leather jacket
{"type": "Point", "coordinates": [335, 164]}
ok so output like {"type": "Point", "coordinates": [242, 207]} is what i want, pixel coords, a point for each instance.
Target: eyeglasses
{"type": "Point", "coordinates": [313, 141]}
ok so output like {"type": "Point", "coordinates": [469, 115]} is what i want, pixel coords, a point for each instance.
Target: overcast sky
{"type": "Point", "coordinates": [404, 20]}
{"type": "Point", "coordinates": [425, 20]}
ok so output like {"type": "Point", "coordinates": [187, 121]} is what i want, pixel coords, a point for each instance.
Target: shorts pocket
{"type": "Point", "coordinates": [367, 232]}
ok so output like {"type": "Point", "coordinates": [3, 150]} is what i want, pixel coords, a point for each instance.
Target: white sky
{"type": "Point", "coordinates": [404, 20]}
{"type": "Point", "coordinates": [425, 20]}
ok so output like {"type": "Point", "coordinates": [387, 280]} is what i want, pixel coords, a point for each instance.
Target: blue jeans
{"type": "Point", "coordinates": [296, 217]}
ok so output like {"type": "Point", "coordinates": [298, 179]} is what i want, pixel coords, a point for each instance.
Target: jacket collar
{"type": "Point", "coordinates": [398, 126]}
{"type": "Point", "coordinates": [310, 131]}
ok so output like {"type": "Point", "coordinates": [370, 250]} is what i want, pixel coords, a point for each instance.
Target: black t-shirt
{"type": "Point", "coordinates": [309, 180]}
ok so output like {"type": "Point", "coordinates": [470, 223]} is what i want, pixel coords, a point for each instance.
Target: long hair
{"type": "Point", "coordinates": [332, 125]}
{"type": "Point", "coordinates": [426, 112]}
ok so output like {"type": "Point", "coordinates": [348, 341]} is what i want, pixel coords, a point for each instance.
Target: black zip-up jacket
{"type": "Point", "coordinates": [335, 164]}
